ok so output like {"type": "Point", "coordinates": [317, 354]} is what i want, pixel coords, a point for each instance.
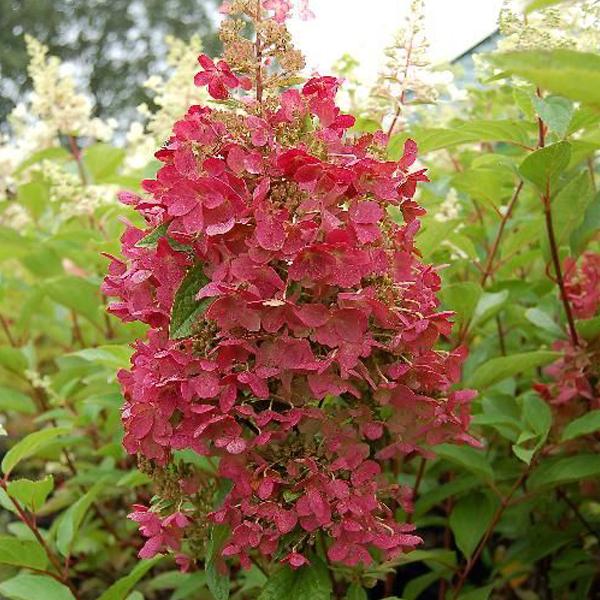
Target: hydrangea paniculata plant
{"type": "Point", "coordinates": [292, 322]}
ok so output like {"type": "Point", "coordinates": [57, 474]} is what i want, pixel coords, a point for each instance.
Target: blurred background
{"type": "Point", "coordinates": [111, 47]}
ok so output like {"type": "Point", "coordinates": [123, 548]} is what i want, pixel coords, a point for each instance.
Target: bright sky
{"type": "Point", "coordinates": [363, 28]}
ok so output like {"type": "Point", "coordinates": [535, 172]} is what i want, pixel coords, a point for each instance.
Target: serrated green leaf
{"type": "Point", "coordinates": [31, 494]}
{"type": "Point", "coordinates": [119, 589]}
{"type": "Point", "coordinates": [556, 112]}
{"type": "Point", "coordinates": [22, 553]}
{"type": "Point", "coordinates": [76, 294]}
{"type": "Point", "coordinates": [150, 240]}
{"type": "Point", "coordinates": [500, 368]}
{"type": "Point", "coordinates": [572, 74]}
{"type": "Point", "coordinates": [29, 446]}
{"type": "Point", "coordinates": [469, 520]}
{"type": "Point", "coordinates": [310, 582]}
{"type": "Point", "coordinates": [588, 423]}
{"type": "Point", "coordinates": [186, 309]}
{"type": "Point", "coordinates": [544, 166]}
{"type": "Point", "coordinates": [488, 306]}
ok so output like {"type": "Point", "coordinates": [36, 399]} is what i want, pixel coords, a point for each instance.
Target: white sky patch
{"type": "Point", "coordinates": [363, 28]}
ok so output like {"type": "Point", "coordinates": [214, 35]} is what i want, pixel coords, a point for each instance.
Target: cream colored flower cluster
{"type": "Point", "coordinates": [173, 95]}
{"type": "Point", "coordinates": [574, 24]}
{"type": "Point", "coordinates": [55, 100]}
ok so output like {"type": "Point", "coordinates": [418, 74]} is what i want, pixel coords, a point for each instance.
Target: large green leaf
{"type": "Point", "coordinates": [469, 520]}
{"type": "Point", "coordinates": [563, 470]}
{"type": "Point", "coordinates": [572, 74]}
{"type": "Point", "coordinates": [310, 582]}
{"type": "Point", "coordinates": [102, 161]}
{"type": "Point", "coordinates": [544, 166]}
{"type": "Point", "coordinates": [588, 423]}
{"type": "Point", "coordinates": [500, 368]}
{"type": "Point", "coordinates": [27, 586]}
{"type": "Point", "coordinates": [120, 589]}
{"type": "Point", "coordinates": [113, 356]}
{"type": "Point", "coordinates": [186, 309]}
{"type": "Point", "coordinates": [31, 494]}
{"type": "Point", "coordinates": [15, 401]}
{"type": "Point", "coordinates": [12, 359]}
{"type": "Point", "coordinates": [29, 446]}
{"type": "Point", "coordinates": [22, 553]}
{"type": "Point", "coordinates": [462, 298]}
{"type": "Point", "coordinates": [471, 459]}
{"type": "Point", "coordinates": [77, 294]}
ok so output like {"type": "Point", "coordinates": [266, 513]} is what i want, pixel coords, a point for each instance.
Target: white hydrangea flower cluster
{"type": "Point", "coordinates": [173, 95]}
{"type": "Point", "coordinates": [574, 24]}
{"type": "Point", "coordinates": [449, 208]}
{"type": "Point", "coordinates": [55, 100]}
{"type": "Point", "coordinates": [75, 197]}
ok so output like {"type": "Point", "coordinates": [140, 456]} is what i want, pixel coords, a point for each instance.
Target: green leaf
{"type": "Point", "coordinates": [71, 520]}
{"type": "Point", "coordinates": [537, 420]}
{"type": "Point", "coordinates": [150, 240]}
{"type": "Point", "coordinates": [500, 368]}
{"type": "Point", "coordinates": [469, 520]}
{"type": "Point", "coordinates": [462, 298]}
{"type": "Point", "coordinates": [471, 459]}
{"type": "Point", "coordinates": [562, 470]}
{"type": "Point", "coordinates": [29, 446]}
{"type": "Point", "coordinates": [356, 592]}
{"type": "Point", "coordinates": [569, 207]}
{"type": "Point", "coordinates": [310, 582]}
{"type": "Point", "coordinates": [12, 359]}
{"type": "Point", "coordinates": [482, 593]}
{"type": "Point", "coordinates": [589, 329]}
{"type": "Point", "coordinates": [465, 132]}
{"type": "Point", "coordinates": [113, 356]}
{"type": "Point", "coordinates": [76, 294]}
{"type": "Point", "coordinates": [556, 112]}
{"type": "Point", "coordinates": [575, 75]}
{"type": "Point", "coordinates": [186, 309]}
{"type": "Point", "coordinates": [218, 583]}
{"type": "Point", "coordinates": [14, 400]}
{"type": "Point", "coordinates": [119, 589]}
{"type": "Point", "coordinates": [588, 423]}
{"type": "Point", "coordinates": [544, 166]}
{"type": "Point", "coordinates": [544, 321]}
{"type": "Point", "coordinates": [102, 161]}
{"type": "Point", "coordinates": [22, 553]}
{"type": "Point", "coordinates": [488, 306]}
{"type": "Point", "coordinates": [27, 586]}
{"type": "Point", "coordinates": [31, 494]}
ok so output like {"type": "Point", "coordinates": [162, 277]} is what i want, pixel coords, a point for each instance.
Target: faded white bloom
{"type": "Point", "coordinates": [449, 208]}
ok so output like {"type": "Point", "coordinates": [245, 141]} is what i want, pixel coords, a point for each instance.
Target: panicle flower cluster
{"type": "Point", "coordinates": [576, 375]}
{"type": "Point", "coordinates": [575, 24]}
{"type": "Point", "coordinates": [310, 362]}
{"type": "Point", "coordinates": [55, 100]}
{"type": "Point", "coordinates": [407, 78]}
